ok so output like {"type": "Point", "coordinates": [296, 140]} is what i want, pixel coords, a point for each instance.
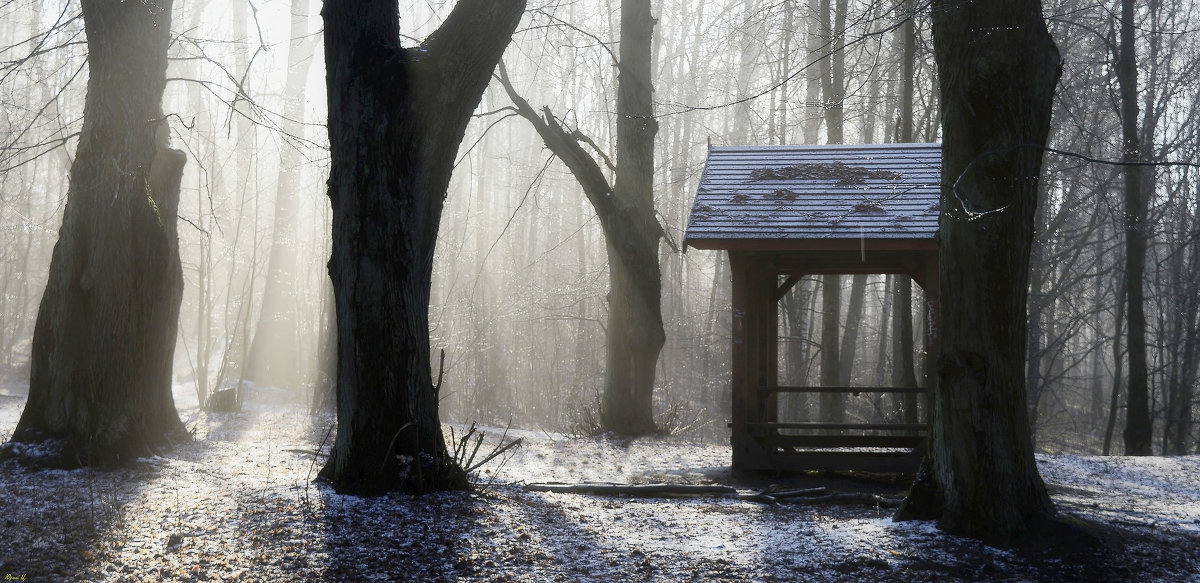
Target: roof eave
{"type": "Point", "coordinates": [928, 243]}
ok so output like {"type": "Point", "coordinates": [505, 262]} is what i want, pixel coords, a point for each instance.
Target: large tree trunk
{"type": "Point", "coordinates": [635, 323]}
{"type": "Point", "coordinates": [1138, 430]}
{"type": "Point", "coordinates": [105, 334]}
{"type": "Point", "coordinates": [396, 118]}
{"type": "Point", "coordinates": [997, 68]}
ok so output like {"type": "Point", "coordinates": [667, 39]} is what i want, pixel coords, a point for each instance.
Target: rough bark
{"type": "Point", "coordinates": [1138, 429]}
{"type": "Point", "coordinates": [626, 211]}
{"type": "Point", "coordinates": [998, 68]}
{"type": "Point", "coordinates": [104, 340]}
{"type": "Point", "coordinates": [396, 118]}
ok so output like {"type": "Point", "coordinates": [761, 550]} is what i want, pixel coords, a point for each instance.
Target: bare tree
{"type": "Point", "coordinates": [625, 208]}
{"type": "Point", "coordinates": [396, 118]}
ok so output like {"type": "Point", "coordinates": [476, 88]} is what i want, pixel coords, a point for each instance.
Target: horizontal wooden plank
{"type": "Point", "coordinates": [838, 426]}
{"type": "Point", "coordinates": [828, 441]}
{"type": "Point", "coordinates": [831, 461]}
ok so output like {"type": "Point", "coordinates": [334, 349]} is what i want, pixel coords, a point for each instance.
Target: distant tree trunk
{"type": "Point", "coordinates": [326, 366]}
{"type": "Point", "coordinates": [105, 334]}
{"type": "Point", "coordinates": [1138, 426]}
{"type": "Point", "coordinates": [832, 405]}
{"type": "Point", "coordinates": [885, 319]}
{"type": "Point", "coordinates": [998, 68]}
{"type": "Point", "coordinates": [854, 316]}
{"type": "Point", "coordinates": [833, 68]}
{"type": "Point", "coordinates": [797, 317]}
{"type": "Point", "coordinates": [904, 370]}
{"type": "Point", "coordinates": [202, 280]}
{"type": "Point", "coordinates": [274, 350]}
{"type": "Point", "coordinates": [749, 50]}
{"type": "Point", "coordinates": [1114, 403]}
{"type": "Point", "coordinates": [833, 79]}
{"type": "Point", "coordinates": [635, 334]}
{"type": "Point", "coordinates": [810, 127]}
{"type": "Point", "coordinates": [396, 118]}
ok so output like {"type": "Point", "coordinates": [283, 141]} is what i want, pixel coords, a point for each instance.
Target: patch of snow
{"type": "Point", "coordinates": [239, 503]}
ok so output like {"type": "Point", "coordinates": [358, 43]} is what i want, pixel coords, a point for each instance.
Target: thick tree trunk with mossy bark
{"type": "Point", "coordinates": [396, 118]}
{"type": "Point", "coordinates": [103, 344]}
{"type": "Point", "coordinates": [997, 68]}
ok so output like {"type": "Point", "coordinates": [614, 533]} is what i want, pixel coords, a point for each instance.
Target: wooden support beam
{"type": "Point", "coordinates": [832, 441]}
{"type": "Point", "coordinates": [841, 426]}
{"type": "Point", "coordinates": [787, 286]}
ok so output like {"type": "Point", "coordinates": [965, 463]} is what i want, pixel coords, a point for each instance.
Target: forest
{"type": "Point", "coordinates": [391, 290]}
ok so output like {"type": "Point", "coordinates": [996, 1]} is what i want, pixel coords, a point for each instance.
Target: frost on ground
{"type": "Point", "coordinates": [238, 504]}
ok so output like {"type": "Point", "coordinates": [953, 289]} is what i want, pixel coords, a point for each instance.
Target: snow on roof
{"type": "Point", "coordinates": [760, 193]}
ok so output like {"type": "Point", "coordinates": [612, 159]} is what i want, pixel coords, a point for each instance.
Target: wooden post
{"type": "Point", "coordinates": [739, 358]}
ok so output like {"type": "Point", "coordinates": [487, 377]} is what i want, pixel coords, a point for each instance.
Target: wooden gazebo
{"type": "Point", "coordinates": [783, 212]}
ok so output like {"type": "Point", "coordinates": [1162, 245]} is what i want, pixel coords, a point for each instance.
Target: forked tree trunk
{"type": "Point", "coordinates": [997, 68]}
{"type": "Point", "coordinates": [396, 118]}
{"type": "Point", "coordinates": [103, 344]}
{"type": "Point", "coordinates": [635, 334]}
{"type": "Point", "coordinates": [635, 323]}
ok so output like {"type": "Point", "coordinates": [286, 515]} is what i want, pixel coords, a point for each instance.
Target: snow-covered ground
{"type": "Point", "coordinates": [238, 504]}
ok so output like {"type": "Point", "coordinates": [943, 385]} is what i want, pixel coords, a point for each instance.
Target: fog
{"type": "Point", "coordinates": [520, 282]}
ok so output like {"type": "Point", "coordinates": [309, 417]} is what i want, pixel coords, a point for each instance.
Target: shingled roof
{"type": "Point", "coordinates": [796, 193]}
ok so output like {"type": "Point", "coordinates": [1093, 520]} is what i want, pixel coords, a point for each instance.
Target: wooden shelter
{"type": "Point", "coordinates": [783, 212]}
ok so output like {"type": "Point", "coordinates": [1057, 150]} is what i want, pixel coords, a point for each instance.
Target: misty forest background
{"type": "Point", "coordinates": [520, 279]}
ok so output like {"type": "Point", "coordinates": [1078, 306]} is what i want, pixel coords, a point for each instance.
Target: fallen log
{"type": "Point", "coordinates": [848, 498]}
{"type": "Point", "coordinates": [801, 493]}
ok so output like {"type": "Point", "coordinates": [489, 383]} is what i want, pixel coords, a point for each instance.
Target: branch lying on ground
{"type": "Point", "coordinates": [819, 495]}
